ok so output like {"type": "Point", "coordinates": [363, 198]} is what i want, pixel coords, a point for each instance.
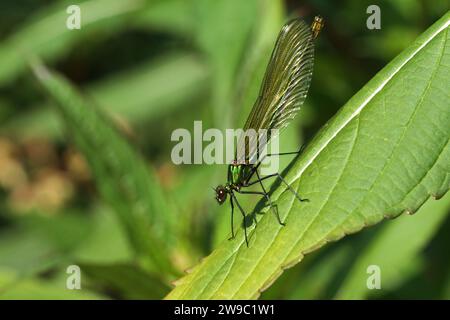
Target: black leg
{"type": "Point", "coordinates": [243, 215]}
{"type": "Point", "coordinates": [255, 168]}
{"type": "Point", "coordinates": [266, 195]}
{"type": "Point", "coordinates": [232, 214]}
{"type": "Point", "coordinates": [275, 208]}
{"type": "Point", "coordinates": [253, 192]}
{"type": "Point", "coordinates": [282, 179]}
{"type": "Point", "coordinates": [281, 154]}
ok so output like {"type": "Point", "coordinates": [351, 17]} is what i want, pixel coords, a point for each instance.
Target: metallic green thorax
{"type": "Point", "coordinates": [238, 174]}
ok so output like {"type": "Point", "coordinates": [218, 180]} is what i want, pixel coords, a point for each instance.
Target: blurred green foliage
{"type": "Point", "coordinates": [152, 67]}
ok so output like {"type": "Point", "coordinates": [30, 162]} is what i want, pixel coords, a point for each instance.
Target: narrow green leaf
{"type": "Point", "coordinates": [233, 20]}
{"type": "Point", "coordinates": [123, 178]}
{"type": "Point", "coordinates": [27, 252]}
{"type": "Point", "coordinates": [106, 244]}
{"type": "Point", "coordinates": [167, 15]}
{"type": "Point", "coordinates": [385, 152]}
{"type": "Point", "coordinates": [14, 288]}
{"type": "Point", "coordinates": [147, 92]}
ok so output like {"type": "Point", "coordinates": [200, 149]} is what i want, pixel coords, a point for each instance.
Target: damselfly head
{"type": "Point", "coordinates": [221, 194]}
{"type": "Point", "coordinates": [317, 25]}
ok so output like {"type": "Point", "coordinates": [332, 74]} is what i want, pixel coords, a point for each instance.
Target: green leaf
{"type": "Point", "coordinates": [27, 252]}
{"type": "Point", "coordinates": [47, 35]}
{"type": "Point", "coordinates": [106, 244]}
{"type": "Point", "coordinates": [410, 235]}
{"type": "Point", "coordinates": [233, 20]}
{"type": "Point", "coordinates": [167, 15]}
{"type": "Point", "coordinates": [385, 152]}
{"type": "Point", "coordinates": [38, 243]}
{"type": "Point", "coordinates": [123, 178]}
{"type": "Point", "coordinates": [257, 57]}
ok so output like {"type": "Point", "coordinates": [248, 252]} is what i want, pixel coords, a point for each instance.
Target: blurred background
{"type": "Point", "coordinates": [152, 67]}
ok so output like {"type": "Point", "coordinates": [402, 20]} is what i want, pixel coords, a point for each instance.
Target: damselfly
{"type": "Point", "coordinates": [283, 91]}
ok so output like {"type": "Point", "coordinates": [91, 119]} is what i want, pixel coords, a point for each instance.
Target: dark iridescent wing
{"type": "Point", "coordinates": [284, 88]}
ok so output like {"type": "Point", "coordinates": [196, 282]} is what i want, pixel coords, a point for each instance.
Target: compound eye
{"type": "Point", "coordinates": [221, 195]}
